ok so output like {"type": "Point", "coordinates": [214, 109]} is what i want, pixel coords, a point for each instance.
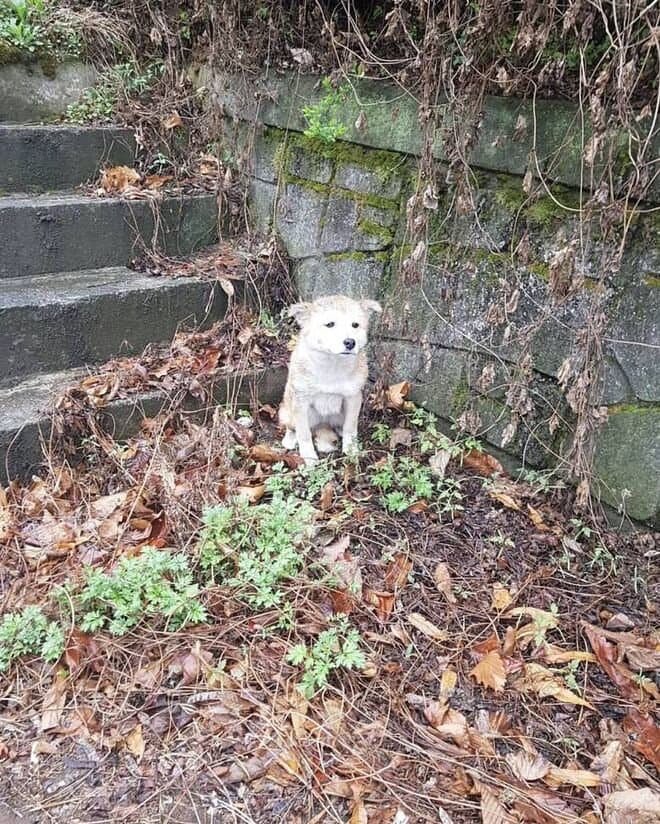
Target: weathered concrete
{"type": "Point", "coordinates": [482, 305]}
{"type": "Point", "coordinates": [25, 420]}
{"type": "Point", "coordinates": [61, 233]}
{"type": "Point", "coordinates": [28, 94]}
{"type": "Point", "coordinates": [512, 131]}
{"type": "Point", "coordinates": [55, 322]}
{"type": "Point", "coordinates": [47, 158]}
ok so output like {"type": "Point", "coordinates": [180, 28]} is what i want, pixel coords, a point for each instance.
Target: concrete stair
{"type": "Point", "coordinates": [67, 298]}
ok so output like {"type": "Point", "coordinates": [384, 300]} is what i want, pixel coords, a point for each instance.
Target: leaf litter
{"type": "Point", "coordinates": [491, 689]}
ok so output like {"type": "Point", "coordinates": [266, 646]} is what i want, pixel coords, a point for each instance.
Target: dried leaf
{"type": "Point", "coordinates": [361, 122]}
{"type": "Point", "coordinates": [577, 778]}
{"type": "Point", "coordinates": [252, 494]}
{"type": "Point", "coordinates": [490, 672]}
{"type": "Point", "coordinates": [618, 673]}
{"type": "Point", "coordinates": [397, 572]}
{"type": "Point", "coordinates": [342, 565]}
{"type": "Point", "coordinates": [536, 518]}
{"type": "Point", "coordinates": [400, 437]}
{"type": "Point", "coordinates": [396, 395]}
{"type": "Point", "coordinates": [502, 598]}
{"type": "Point", "coordinates": [426, 627]}
{"type": "Point", "coordinates": [555, 655]}
{"type": "Point", "coordinates": [442, 578]}
{"type": "Point", "coordinates": [492, 809]}
{"type": "Point", "coordinates": [438, 462]}
{"type": "Point", "coordinates": [447, 684]}
{"type": "Point", "coordinates": [359, 813]}
{"type": "Point", "coordinates": [449, 723]}
{"type": "Point", "coordinates": [134, 742]}
{"type": "Point", "coordinates": [505, 499]}
{"type": "Point", "coordinates": [382, 601]}
{"type": "Point", "coordinates": [645, 735]}
{"type": "Point", "coordinates": [302, 57]}
{"type": "Point", "coordinates": [547, 684]}
{"type": "Point", "coordinates": [173, 121]}
{"type": "Point", "coordinates": [53, 703]}
{"type": "Point", "coordinates": [118, 179]}
{"type": "Point", "coordinates": [641, 658]}
{"type": "Point", "coordinates": [633, 807]}
{"type": "Point", "coordinates": [157, 181]}
{"type": "Point", "coordinates": [482, 463]}
{"type": "Point", "coordinates": [528, 766]}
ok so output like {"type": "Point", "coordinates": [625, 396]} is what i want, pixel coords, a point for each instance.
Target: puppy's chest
{"type": "Point", "coordinates": [326, 404]}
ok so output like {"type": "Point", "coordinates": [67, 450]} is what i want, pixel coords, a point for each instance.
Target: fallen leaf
{"type": "Point", "coordinates": [252, 494]}
{"type": "Point", "coordinates": [382, 601]}
{"type": "Point", "coordinates": [327, 496]}
{"type": "Point", "coordinates": [620, 621]}
{"type": "Point", "coordinates": [396, 394]}
{"type": "Point", "coordinates": [504, 498]}
{"type": "Point", "coordinates": [438, 462]}
{"type": "Point", "coordinates": [264, 453]}
{"type": "Point", "coordinates": [449, 723]}
{"type": "Point", "coordinates": [633, 807]}
{"type": "Point", "coordinates": [501, 598]}
{"type": "Point", "coordinates": [536, 518]}
{"type": "Point", "coordinates": [426, 627]}
{"type": "Point", "coordinates": [447, 684]}
{"type": "Point", "coordinates": [397, 572]}
{"type": "Point", "coordinates": [482, 463]}
{"type": "Point", "coordinates": [617, 672]}
{"type": "Point", "coordinates": [528, 766]}
{"type": "Point", "coordinates": [608, 763]}
{"type": "Point", "coordinates": [134, 742]}
{"type": "Point", "coordinates": [359, 813]}
{"type": "Point", "coordinates": [157, 181]}
{"type": "Point", "coordinates": [41, 747]}
{"type": "Point", "coordinates": [555, 655]}
{"type": "Point", "coordinates": [400, 437]}
{"type": "Point", "coordinates": [117, 179]}
{"type": "Point", "coordinates": [173, 121]}
{"type": "Point", "coordinates": [53, 703]}
{"type": "Point", "coordinates": [542, 622]}
{"type": "Point", "coordinates": [342, 565]}
{"type": "Point", "coordinates": [577, 778]}
{"type": "Point", "coordinates": [641, 658]}
{"type": "Point", "coordinates": [645, 735]}
{"type": "Point", "coordinates": [442, 578]}
{"type": "Point", "coordinates": [492, 809]}
{"type": "Point", "coordinates": [490, 672]}
{"type": "Point", "coordinates": [547, 684]}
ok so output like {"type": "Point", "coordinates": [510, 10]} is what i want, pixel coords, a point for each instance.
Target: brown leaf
{"type": "Point", "coordinates": [359, 813]}
{"type": "Point", "coordinates": [546, 684]}
{"type": "Point", "coordinates": [645, 735]}
{"type": "Point", "coordinates": [157, 181]}
{"type": "Point", "coordinates": [117, 179]}
{"type": "Point", "coordinates": [173, 121]}
{"type": "Point", "coordinates": [449, 723]}
{"type": "Point", "coordinates": [501, 598]}
{"type": "Point", "coordinates": [490, 672]}
{"type": "Point", "coordinates": [577, 778]}
{"type": "Point", "coordinates": [400, 437]}
{"type": "Point", "coordinates": [641, 658]}
{"type": "Point", "coordinates": [342, 565]}
{"type": "Point", "coordinates": [536, 518]}
{"type": "Point", "coordinates": [396, 395]}
{"type": "Point", "coordinates": [252, 494]}
{"type": "Point", "coordinates": [134, 742]}
{"type": "Point", "coordinates": [264, 453]}
{"type": "Point", "coordinates": [618, 673]}
{"type": "Point", "coordinates": [555, 655]}
{"type": "Point", "coordinates": [447, 684]}
{"type": "Point", "coordinates": [5, 517]}
{"type": "Point", "coordinates": [442, 578]}
{"type": "Point", "coordinates": [504, 498]}
{"type": "Point", "coordinates": [53, 703]}
{"type": "Point", "coordinates": [482, 463]}
{"type": "Point", "coordinates": [382, 601]}
{"type": "Point", "coordinates": [327, 497]}
{"type": "Point", "coordinates": [82, 650]}
{"type": "Point", "coordinates": [438, 462]}
{"type": "Point", "coordinates": [492, 809]}
{"type": "Point", "coordinates": [397, 572]}
{"type": "Point", "coordinates": [633, 807]}
{"type": "Point", "coordinates": [527, 766]}
{"type": "Point", "coordinates": [426, 627]}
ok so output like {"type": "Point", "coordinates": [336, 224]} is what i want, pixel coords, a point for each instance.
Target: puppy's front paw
{"type": "Point", "coordinates": [289, 440]}
{"type": "Point", "coordinates": [349, 445]}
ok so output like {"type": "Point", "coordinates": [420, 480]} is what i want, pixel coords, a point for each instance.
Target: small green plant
{"type": "Point", "coordinates": [541, 481]}
{"type": "Point", "coordinates": [281, 481]}
{"type": "Point", "coordinates": [606, 561]}
{"type": "Point", "coordinates": [316, 477]}
{"type": "Point", "coordinates": [404, 481]}
{"type": "Point", "coordinates": [501, 540]}
{"type": "Point", "coordinates": [155, 583]}
{"type": "Point", "coordinates": [322, 122]}
{"type": "Point", "coordinates": [21, 26]}
{"type": "Point", "coordinates": [29, 632]}
{"type": "Point", "coordinates": [380, 434]}
{"type": "Point", "coordinates": [569, 674]}
{"type": "Point", "coordinates": [123, 80]}
{"type": "Point", "coordinates": [334, 648]}
{"type": "Point", "coordinates": [255, 548]}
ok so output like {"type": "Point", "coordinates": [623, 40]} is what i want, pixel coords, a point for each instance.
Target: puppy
{"type": "Point", "coordinates": [327, 373]}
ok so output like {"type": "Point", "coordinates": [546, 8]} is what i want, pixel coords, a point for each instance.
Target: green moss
{"type": "Point", "coordinates": [382, 233]}
{"type": "Point", "coordinates": [509, 193]}
{"type": "Point", "coordinates": [328, 190]}
{"type": "Point", "coordinates": [48, 63]}
{"type": "Point", "coordinates": [383, 163]}
{"type": "Point", "coordinates": [653, 281]}
{"type": "Point", "coordinates": [639, 408]}
{"type": "Point", "coordinates": [9, 54]}
{"type": "Point", "coordinates": [381, 257]}
{"type": "Point", "coordinates": [460, 397]}
{"type": "Point", "coordinates": [541, 270]}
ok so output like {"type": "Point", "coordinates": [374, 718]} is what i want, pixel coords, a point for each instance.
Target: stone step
{"type": "Point", "coordinates": [68, 232]}
{"type": "Point", "coordinates": [48, 158]}
{"type": "Point", "coordinates": [55, 322]}
{"type": "Point", "coordinates": [25, 422]}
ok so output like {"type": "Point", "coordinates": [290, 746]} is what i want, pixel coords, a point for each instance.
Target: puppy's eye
{"type": "Point", "coordinates": [330, 324]}
{"type": "Point", "coordinates": [355, 325]}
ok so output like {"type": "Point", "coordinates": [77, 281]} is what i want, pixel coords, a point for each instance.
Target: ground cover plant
{"type": "Point", "coordinates": [304, 645]}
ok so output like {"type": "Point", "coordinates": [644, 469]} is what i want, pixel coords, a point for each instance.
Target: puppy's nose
{"type": "Point", "coordinates": [349, 343]}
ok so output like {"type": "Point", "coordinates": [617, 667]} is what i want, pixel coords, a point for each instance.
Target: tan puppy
{"type": "Point", "coordinates": [327, 373]}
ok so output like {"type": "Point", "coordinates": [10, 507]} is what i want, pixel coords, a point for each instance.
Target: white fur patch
{"type": "Point", "coordinates": [327, 405]}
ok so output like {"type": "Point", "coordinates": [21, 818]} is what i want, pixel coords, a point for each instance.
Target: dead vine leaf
{"type": "Point", "coordinates": [397, 572]}
{"type": "Point", "coordinates": [547, 684]}
{"type": "Point", "coordinates": [489, 672]}
{"type": "Point", "coordinates": [645, 735]}
{"type": "Point", "coordinates": [628, 806]}
{"type": "Point", "coordinates": [527, 766]}
{"type": "Point", "coordinates": [502, 598]}
{"type": "Point", "coordinates": [396, 394]}
{"type": "Point", "coordinates": [482, 463]}
{"type": "Point", "coordinates": [134, 742]}
{"type": "Point", "coordinates": [557, 776]}
{"type": "Point", "coordinates": [53, 703]}
{"type": "Point", "coordinates": [173, 121]}
{"type": "Point", "coordinates": [442, 578]}
{"type": "Point", "coordinates": [426, 627]}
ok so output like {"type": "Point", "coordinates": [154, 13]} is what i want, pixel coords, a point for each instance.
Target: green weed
{"type": "Point", "coordinates": [125, 80]}
{"type": "Point", "coordinates": [334, 648]}
{"type": "Point", "coordinates": [322, 122]}
{"type": "Point", "coordinates": [152, 584]}
{"type": "Point", "coordinates": [404, 481]}
{"type": "Point", "coordinates": [29, 632]}
{"type": "Point", "coordinates": [255, 548]}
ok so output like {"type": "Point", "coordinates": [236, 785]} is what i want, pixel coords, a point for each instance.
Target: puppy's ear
{"type": "Point", "coordinates": [370, 306]}
{"type": "Point", "coordinates": [300, 312]}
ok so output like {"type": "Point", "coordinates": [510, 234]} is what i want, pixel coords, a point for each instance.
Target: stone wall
{"type": "Point", "coordinates": [480, 316]}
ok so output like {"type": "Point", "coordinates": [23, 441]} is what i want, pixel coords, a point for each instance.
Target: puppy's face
{"type": "Point", "coordinates": [335, 325]}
